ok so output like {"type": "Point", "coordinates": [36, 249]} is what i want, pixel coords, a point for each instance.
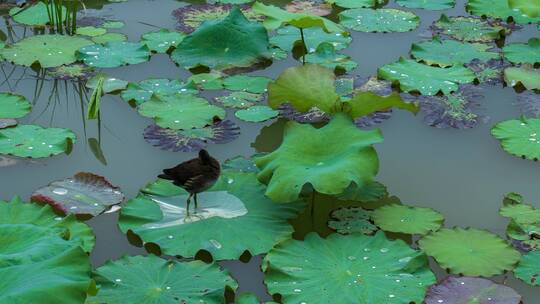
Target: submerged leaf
{"type": "Point", "coordinates": [490, 72]}
{"type": "Point", "coordinates": [347, 220]}
{"type": "Point", "coordinates": [34, 141]}
{"type": "Point", "coordinates": [379, 20]}
{"type": "Point", "coordinates": [519, 137]}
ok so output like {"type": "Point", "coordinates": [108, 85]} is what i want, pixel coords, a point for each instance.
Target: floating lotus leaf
{"type": "Point", "coordinates": [530, 8]}
{"type": "Point", "coordinates": [46, 50]}
{"type": "Point", "coordinates": [110, 84]}
{"type": "Point", "coordinates": [466, 290]}
{"type": "Point", "coordinates": [490, 72]}
{"type": "Point", "coordinates": [326, 56]}
{"type": "Point", "coordinates": [380, 20]}
{"type": "Point", "coordinates": [434, 5]}
{"type": "Point", "coordinates": [297, 269]}
{"type": "Point", "coordinates": [34, 141]}
{"type": "Point", "coordinates": [91, 31]}
{"type": "Point", "coordinates": [192, 16]}
{"type": "Point", "coordinates": [470, 252]}
{"type": "Point", "coordinates": [114, 54]}
{"type": "Point", "coordinates": [308, 155]}
{"type": "Point", "coordinates": [446, 53]}
{"type": "Point", "coordinates": [109, 37]}
{"type": "Point", "coordinates": [232, 217]}
{"type": "Point", "coordinates": [143, 91]}
{"type": "Point", "coordinates": [251, 84]}
{"type": "Point", "coordinates": [286, 37]}
{"type": "Point", "coordinates": [409, 220]}
{"type": "Point", "coordinates": [207, 81]}
{"type": "Point", "coordinates": [13, 106]}
{"type": "Point", "coordinates": [239, 100]}
{"type": "Point", "coordinates": [232, 42]}
{"type": "Point", "coordinates": [113, 24]}
{"type": "Point", "coordinates": [528, 269]}
{"type": "Point", "coordinates": [365, 103]}
{"type": "Point", "coordinates": [71, 72]}
{"type": "Point", "coordinates": [428, 80]}
{"type": "Point", "coordinates": [162, 40]}
{"type": "Point", "coordinates": [529, 103]}
{"type": "Point", "coordinates": [469, 29]}
{"type": "Point", "coordinates": [304, 87]}
{"type": "Point", "coordinates": [524, 75]}
{"type": "Point", "coordinates": [240, 164]}
{"type": "Point", "coordinates": [498, 9]}
{"type": "Point", "coordinates": [519, 53]}
{"type": "Point", "coordinates": [276, 17]}
{"type": "Point", "coordinates": [309, 7]}
{"type": "Point", "coordinates": [370, 192]}
{"type": "Point", "coordinates": [180, 111]}
{"type": "Point", "coordinates": [347, 220]}
{"type": "Point", "coordinates": [519, 137]}
{"type": "Point", "coordinates": [37, 14]}
{"type": "Point", "coordinates": [518, 211]}
{"type": "Point", "coordinates": [150, 279]}
{"type": "Point", "coordinates": [83, 194]}
{"type": "Point", "coordinates": [256, 114]}
{"type": "Point", "coordinates": [190, 140]}
{"type": "Point", "coordinates": [357, 3]}
{"type": "Point", "coordinates": [524, 237]}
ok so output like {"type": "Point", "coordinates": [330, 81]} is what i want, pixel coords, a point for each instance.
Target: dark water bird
{"type": "Point", "coordinates": [195, 176]}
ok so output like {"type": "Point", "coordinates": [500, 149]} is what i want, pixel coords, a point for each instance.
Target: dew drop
{"type": "Point", "coordinates": [60, 191]}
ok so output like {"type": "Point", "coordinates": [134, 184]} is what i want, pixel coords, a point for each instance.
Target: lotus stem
{"type": "Point", "coordinates": [304, 46]}
{"type": "Point", "coordinates": [313, 210]}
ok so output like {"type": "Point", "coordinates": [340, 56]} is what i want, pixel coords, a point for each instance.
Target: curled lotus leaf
{"type": "Point", "coordinates": [470, 252]}
{"type": "Point", "coordinates": [256, 114]}
{"type": "Point", "coordinates": [297, 269]}
{"type": "Point", "coordinates": [251, 84]}
{"type": "Point", "coordinates": [35, 141]}
{"type": "Point", "coordinates": [114, 54]}
{"type": "Point", "coordinates": [239, 100]}
{"type": "Point", "coordinates": [446, 53]}
{"type": "Point", "coordinates": [519, 137]}
{"type": "Point", "coordinates": [287, 36]}
{"type": "Point", "coordinates": [529, 103]}
{"type": "Point", "coordinates": [325, 55]}
{"type": "Point", "coordinates": [13, 106]}
{"type": "Point", "coordinates": [471, 290]}
{"type": "Point", "coordinates": [143, 91]}
{"type": "Point", "coordinates": [434, 5]}
{"type": "Point", "coordinates": [523, 53]}
{"type": "Point", "coordinates": [316, 8]}
{"type": "Point", "coordinates": [525, 76]}
{"type": "Point", "coordinates": [406, 219]}
{"type": "Point", "coordinates": [379, 20]}
{"type": "Point", "coordinates": [528, 269]}
{"type": "Point", "coordinates": [37, 14]}
{"type": "Point", "coordinates": [162, 41]}
{"type": "Point", "coordinates": [83, 194]}
{"type": "Point", "coordinates": [190, 140]}
{"type": "Point", "coordinates": [468, 29]}
{"type": "Point", "coordinates": [151, 279]}
{"type": "Point", "coordinates": [499, 9]}
{"type": "Point", "coordinates": [190, 17]}
{"type": "Point", "coordinates": [218, 225]}
{"type": "Point", "coordinates": [347, 220]}
{"type": "Point", "coordinates": [530, 8]}
{"type": "Point", "coordinates": [308, 155]}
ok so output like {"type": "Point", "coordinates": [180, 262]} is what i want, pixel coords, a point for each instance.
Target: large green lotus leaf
{"type": "Point", "coordinates": [365, 103]}
{"type": "Point", "coordinates": [276, 17]}
{"type": "Point", "coordinates": [180, 111]}
{"type": "Point", "coordinates": [354, 269]}
{"type": "Point", "coordinates": [470, 252]}
{"type": "Point", "coordinates": [38, 265]}
{"type": "Point", "coordinates": [428, 80]}
{"type": "Point", "coordinates": [232, 217]}
{"type": "Point", "coordinates": [162, 40]}
{"type": "Point", "coordinates": [519, 53]}
{"type": "Point", "coordinates": [114, 54]}
{"type": "Point", "coordinates": [514, 208]}
{"type": "Point", "coordinates": [46, 50]}
{"type": "Point", "coordinates": [143, 91]}
{"type": "Point", "coordinates": [530, 8]}
{"type": "Point", "coordinates": [528, 269]}
{"type": "Point", "coordinates": [379, 20]}
{"type": "Point", "coordinates": [220, 44]}
{"type": "Point", "coordinates": [524, 75]}
{"type": "Point", "coordinates": [304, 87]}
{"type": "Point", "coordinates": [286, 37]}
{"type": "Point", "coordinates": [446, 53]}
{"type": "Point", "coordinates": [251, 84]}
{"type": "Point", "coordinates": [16, 212]}
{"type": "Point", "coordinates": [326, 56]}
{"type": "Point", "coordinates": [356, 3]}
{"type": "Point", "coordinates": [153, 280]}
{"type": "Point", "coordinates": [35, 141]}
{"type": "Point", "coordinates": [498, 9]}
{"type": "Point", "coordinates": [409, 220]}
{"type": "Point", "coordinates": [434, 5]}
{"type": "Point", "coordinates": [329, 158]}
{"type": "Point", "coordinates": [519, 137]}
{"type": "Point", "coordinates": [37, 14]}
{"type": "Point", "coordinates": [468, 29]}
{"type": "Point", "coordinates": [13, 106]}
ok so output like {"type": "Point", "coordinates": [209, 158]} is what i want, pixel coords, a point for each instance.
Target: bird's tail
{"type": "Point", "coordinates": [166, 175]}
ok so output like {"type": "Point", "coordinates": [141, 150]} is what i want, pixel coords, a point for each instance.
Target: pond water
{"type": "Point", "coordinates": [463, 174]}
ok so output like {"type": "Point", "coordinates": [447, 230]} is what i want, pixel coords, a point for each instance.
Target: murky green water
{"type": "Point", "coordinates": [463, 174]}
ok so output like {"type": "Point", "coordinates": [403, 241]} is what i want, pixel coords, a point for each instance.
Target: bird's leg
{"type": "Point", "coordinates": [195, 196]}
{"type": "Point", "coordinates": [188, 202]}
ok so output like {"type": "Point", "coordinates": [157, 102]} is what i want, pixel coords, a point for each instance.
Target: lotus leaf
{"type": "Point", "coordinates": [523, 53]}
{"type": "Point", "coordinates": [240, 164]}
{"type": "Point", "coordinates": [357, 3]}
{"type": "Point", "coordinates": [466, 290]}
{"type": "Point", "coordinates": [91, 31]}
{"type": "Point", "coordinates": [528, 269]}
{"type": "Point", "coordinates": [519, 137]}
{"type": "Point", "coordinates": [470, 252]}
{"type": "Point", "coordinates": [409, 220]}
{"type": "Point", "coordinates": [150, 279]}
{"type": "Point", "coordinates": [190, 140]}
{"type": "Point", "coordinates": [297, 270]}
{"type": "Point", "coordinates": [351, 220]}
{"type": "Point", "coordinates": [370, 192]}
{"type": "Point", "coordinates": [380, 20]}
{"type": "Point", "coordinates": [192, 16]}
{"type": "Point", "coordinates": [207, 81]}
{"type": "Point", "coordinates": [113, 24]}
{"type": "Point", "coordinates": [446, 53]}
{"type": "Point", "coordinates": [524, 75]}
{"type": "Point", "coordinates": [256, 114]}
{"type": "Point", "coordinates": [13, 106]}
{"type": "Point", "coordinates": [46, 50]}
{"type": "Point", "coordinates": [498, 9]}
{"type": "Point", "coordinates": [309, 7]}
{"type": "Point", "coordinates": [286, 37]}
{"type": "Point", "coordinates": [468, 29]}
{"type": "Point", "coordinates": [143, 91]}
{"type": "Point", "coordinates": [37, 14]}
{"type": "Point", "coordinates": [114, 54]}
{"type": "Point", "coordinates": [162, 40]}
{"type": "Point", "coordinates": [34, 141]}
{"type": "Point", "coordinates": [519, 212]}
{"type": "Point", "coordinates": [365, 103]}
{"type": "Point", "coordinates": [233, 216]}
{"type": "Point", "coordinates": [428, 80]}
{"type": "Point", "coordinates": [530, 8]}
{"type": "Point", "coordinates": [529, 103]}
{"type": "Point", "coordinates": [232, 42]}
{"type": "Point", "coordinates": [329, 158]}
{"type": "Point", "coordinates": [180, 111]}
{"type": "Point", "coordinates": [110, 84]}
{"type": "Point", "coordinates": [276, 17]}
{"type": "Point", "coordinates": [326, 56]}
{"type": "Point", "coordinates": [434, 5]}
{"type": "Point", "coordinates": [109, 37]}
{"type": "Point", "coordinates": [251, 84]}
{"type": "Point", "coordinates": [239, 100]}
{"type": "Point", "coordinates": [524, 237]}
